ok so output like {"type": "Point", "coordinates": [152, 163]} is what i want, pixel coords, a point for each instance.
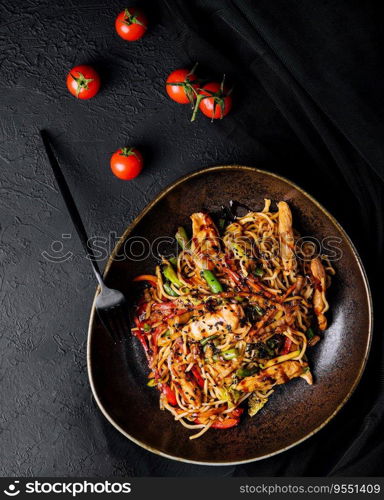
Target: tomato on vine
{"type": "Point", "coordinates": [131, 24]}
{"type": "Point", "coordinates": [181, 85]}
{"type": "Point", "coordinates": [83, 82]}
{"type": "Point", "coordinates": [127, 163]}
{"type": "Point", "coordinates": [214, 100]}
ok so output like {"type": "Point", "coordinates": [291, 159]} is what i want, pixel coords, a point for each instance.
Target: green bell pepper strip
{"type": "Point", "coordinates": [213, 283]}
{"type": "Point", "coordinates": [169, 290]}
{"type": "Point", "coordinates": [173, 261]}
{"type": "Point", "coordinates": [182, 238]}
{"type": "Point", "coordinates": [170, 275]}
{"type": "Point", "coordinates": [205, 341]}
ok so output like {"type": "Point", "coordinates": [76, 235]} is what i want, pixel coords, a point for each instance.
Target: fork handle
{"type": "Point", "coordinates": [70, 203]}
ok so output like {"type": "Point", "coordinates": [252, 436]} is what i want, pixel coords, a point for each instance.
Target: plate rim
{"type": "Point", "coordinates": [129, 229]}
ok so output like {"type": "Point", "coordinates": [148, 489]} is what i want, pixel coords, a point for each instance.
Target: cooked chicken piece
{"type": "Point", "coordinates": [319, 302]}
{"type": "Point", "coordinates": [177, 321]}
{"type": "Point", "coordinates": [221, 321]}
{"type": "Point", "coordinates": [205, 244]}
{"type": "Point", "coordinates": [190, 389]}
{"type": "Point", "coordinates": [287, 241]}
{"type": "Point", "coordinates": [274, 375]}
{"type": "Point", "coordinates": [307, 376]}
{"type": "Point", "coordinates": [299, 285]}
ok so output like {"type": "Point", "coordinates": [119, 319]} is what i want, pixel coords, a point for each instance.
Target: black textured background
{"type": "Point", "coordinates": [48, 422]}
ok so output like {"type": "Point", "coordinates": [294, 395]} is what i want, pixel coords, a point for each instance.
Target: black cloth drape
{"type": "Point", "coordinates": [321, 64]}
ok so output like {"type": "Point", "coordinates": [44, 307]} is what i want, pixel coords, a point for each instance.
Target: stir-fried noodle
{"type": "Point", "coordinates": [231, 316]}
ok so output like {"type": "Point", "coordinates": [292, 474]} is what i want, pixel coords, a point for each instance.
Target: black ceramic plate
{"type": "Point", "coordinates": [296, 410]}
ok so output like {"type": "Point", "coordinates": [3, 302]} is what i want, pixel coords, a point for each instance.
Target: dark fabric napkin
{"type": "Point", "coordinates": [321, 65]}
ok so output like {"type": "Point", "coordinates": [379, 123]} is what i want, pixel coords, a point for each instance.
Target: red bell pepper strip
{"type": "Point", "coordinates": [225, 424]}
{"type": "Point", "coordinates": [138, 323]}
{"type": "Point", "coordinates": [231, 420]}
{"type": "Point", "coordinates": [236, 412]}
{"type": "Point", "coordinates": [199, 379]}
{"type": "Point", "coordinates": [222, 424]}
{"type": "Point", "coordinates": [147, 277]}
{"type": "Point", "coordinates": [143, 342]}
{"type": "Point", "coordinates": [140, 308]}
{"type": "Point", "coordinates": [169, 394]}
{"type": "Point", "coordinates": [287, 346]}
{"type": "Point", "coordinates": [164, 306]}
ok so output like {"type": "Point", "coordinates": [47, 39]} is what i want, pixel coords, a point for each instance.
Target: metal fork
{"type": "Point", "coordinates": [111, 305]}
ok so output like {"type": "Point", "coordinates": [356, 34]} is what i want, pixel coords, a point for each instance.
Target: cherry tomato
{"type": "Point", "coordinates": [127, 163]}
{"type": "Point", "coordinates": [131, 24]}
{"type": "Point", "coordinates": [83, 82]}
{"type": "Point", "coordinates": [215, 100]}
{"type": "Point", "coordinates": [180, 84]}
